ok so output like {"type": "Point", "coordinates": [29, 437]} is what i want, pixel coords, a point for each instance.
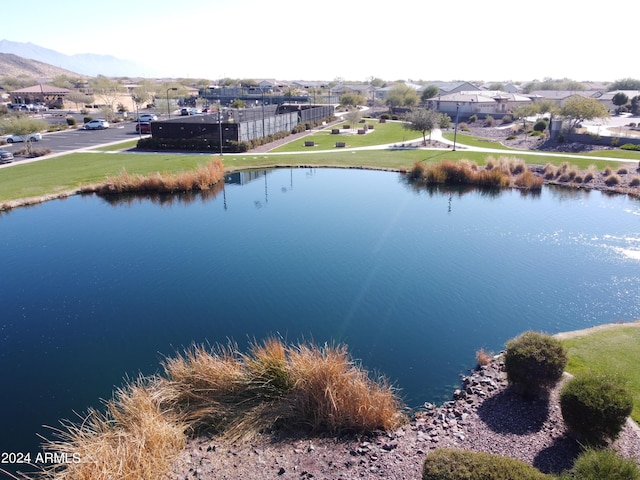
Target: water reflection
{"type": "Point", "coordinates": [163, 199]}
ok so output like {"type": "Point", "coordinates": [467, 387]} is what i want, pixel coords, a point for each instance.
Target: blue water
{"type": "Point", "coordinates": [414, 281]}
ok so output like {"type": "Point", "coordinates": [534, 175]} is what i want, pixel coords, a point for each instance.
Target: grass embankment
{"type": "Point", "coordinates": [611, 350]}
{"type": "Point", "coordinates": [146, 424]}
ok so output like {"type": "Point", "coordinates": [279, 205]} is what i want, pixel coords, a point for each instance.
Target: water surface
{"type": "Point", "coordinates": [414, 281]}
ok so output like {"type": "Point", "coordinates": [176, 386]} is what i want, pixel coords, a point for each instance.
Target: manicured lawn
{"type": "Point", "coordinates": [613, 351]}
{"type": "Point", "coordinates": [382, 134]}
{"type": "Point", "coordinates": [473, 141]}
{"type": "Point", "coordinates": [68, 172]}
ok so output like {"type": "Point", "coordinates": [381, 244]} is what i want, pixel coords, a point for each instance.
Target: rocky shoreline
{"type": "Point", "coordinates": [485, 415]}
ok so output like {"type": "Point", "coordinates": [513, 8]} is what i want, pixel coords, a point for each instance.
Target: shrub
{"type": "Point", "coordinates": [489, 121]}
{"type": "Point", "coordinates": [87, 118]}
{"type": "Point", "coordinates": [630, 146]}
{"type": "Point", "coordinates": [473, 118]}
{"type": "Point", "coordinates": [622, 171]}
{"type": "Point", "coordinates": [607, 171]}
{"type": "Point", "coordinates": [534, 362]}
{"type": "Point", "coordinates": [507, 119]}
{"type": "Point", "coordinates": [463, 126]}
{"type": "Point", "coordinates": [606, 463]}
{"type": "Point", "coordinates": [511, 137]}
{"type": "Point", "coordinates": [560, 138]}
{"type": "Point", "coordinates": [612, 180]}
{"type": "Point", "coordinates": [540, 126]}
{"type": "Point", "coordinates": [595, 406]}
{"type": "Point", "coordinates": [71, 121]}
{"type": "Point", "coordinates": [529, 181]}
{"type": "Point", "coordinates": [635, 181]}
{"type": "Point", "coordinates": [452, 464]}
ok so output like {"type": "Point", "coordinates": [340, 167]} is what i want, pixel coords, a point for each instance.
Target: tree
{"type": "Point", "coordinates": [422, 120]}
{"type": "Point", "coordinates": [624, 84]}
{"type": "Point", "coordinates": [351, 99]}
{"type": "Point", "coordinates": [634, 105]}
{"type": "Point", "coordinates": [354, 116]}
{"type": "Point", "coordinates": [578, 109]}
{"type": "Point", "coordinates": [444, 121]}
{"type": "Point", "coordinates": [400, 95]}
{"type": "Point", "coordinates": [107, 91]}
{"type": "Point", "coordinates": [79, 98]}
{"type": "Point", "coordinates": [429, 92]}
{"type": "Point", "coordinates": [620, 99]}
{"type": "Point", "coordinates": [23, 126]}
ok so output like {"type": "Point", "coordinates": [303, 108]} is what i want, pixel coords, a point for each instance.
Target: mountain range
{"type": "Point", "coordinates": [87, 64]}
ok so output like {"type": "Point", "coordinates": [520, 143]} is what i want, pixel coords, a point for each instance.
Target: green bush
{"type": "Point", "coordinates": [595, 406]}
{"type": "Point", "coordinates": [603, 464]}
{"type": "Point", "coordinates": [534, 362]}
{"type": "Point", "coordinates": [560, 138]}
{"type": "Point", "coordinates": [540, 126]}
{"type": "Point", "coordinates": [630, 146]}
{"type": "Point", "coordinates": [473, 118]}
{"type": "Point", "coordinates": [451, 464]}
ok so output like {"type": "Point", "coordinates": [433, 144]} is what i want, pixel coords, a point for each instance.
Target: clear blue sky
{"type": "Point", "coordinates": [497, 40]}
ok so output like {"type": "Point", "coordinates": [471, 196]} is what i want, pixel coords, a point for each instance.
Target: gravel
{"type": "Point", "coordinates": [485, 415]}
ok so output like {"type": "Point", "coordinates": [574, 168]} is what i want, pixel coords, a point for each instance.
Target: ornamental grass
{"type": "Point", "coordinates": [201, 178]}
{"type": "Point", "coordinates": [238, 395]}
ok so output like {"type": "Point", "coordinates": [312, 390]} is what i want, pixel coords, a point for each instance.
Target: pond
{"type": "Point", "coordinates": [414, 281]}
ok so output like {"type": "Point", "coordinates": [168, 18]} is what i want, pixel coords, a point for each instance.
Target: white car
{"type": "Point", "coordinates": [32, 137]}
{"type": "Point", "coordinates": [146, 117]}
{"type": "Point", "coordinates": [96, 125]}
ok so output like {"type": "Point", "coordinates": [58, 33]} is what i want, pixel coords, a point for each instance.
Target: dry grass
{"type": "Point", "coordinates": [332, 392]}
{"type": "Point", "coordinates": [202, 178]}
{"type": "Point", "coordinates": [528, 180]}
{"type": "Point", "coordinates": [133, 439]}
{"type": "Point", "coordinates": [273, 384]}
{"type": "Point", "coordinates": [459, 173]}
{"type": "Point", "coordinates": [145, 426]}
{"type": "Point", "coordinates": [483, 357]}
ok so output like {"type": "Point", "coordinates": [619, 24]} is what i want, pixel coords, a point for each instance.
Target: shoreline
{"type": "Point", "coordinates": [597, 328]}
{"type": "Point", "coordinates": [30, 201]}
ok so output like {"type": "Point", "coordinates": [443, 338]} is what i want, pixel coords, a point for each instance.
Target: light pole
{"type": "Point", "coordinates": [168, 107]}
{"type": "Point", "coordinates": [220, 125]}
{"type": "Point", "coordinates": [455, 132]}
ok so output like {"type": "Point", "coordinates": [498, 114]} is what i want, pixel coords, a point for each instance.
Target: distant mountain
{"type": "Point", "coordinates": [14, 66]}
{"type": "Point", "coordinates": [83, 64]}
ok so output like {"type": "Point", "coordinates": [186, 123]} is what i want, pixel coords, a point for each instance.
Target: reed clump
{"type": "Point", "coordinates": [145, 425]}
{"type": "Point", "coordinates": [239, 395]}
{"type": "Point", "coordinates": [134, 438]}
{"type": "Point", "coordinates": [201, 178]}
{"type": "Point", "coordinates": [528, 180]}
{"type": "Point", "coordinates": [459, 173]}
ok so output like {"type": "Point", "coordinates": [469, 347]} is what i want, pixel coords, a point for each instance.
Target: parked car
{"type": "Point", "coordinates": [32, 137]}
{"type": "Point", "coordinates": [190, 111]}
{"type": "Point", "coordinates": [96, 125]}
{"type": "Point", "coordinates": [147, 117]}
{"type": "Point", "coordinates": [6, 156]}
{"type": "Point", "coordinates": [143, 127]}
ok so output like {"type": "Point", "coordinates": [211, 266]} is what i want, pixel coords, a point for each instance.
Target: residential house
{"type": "Point", "coordinates": [607, 98]}
{"type": "Point", "coordinates": [560, 97]}
{"type": "Point", "coordinates": [481, 103]}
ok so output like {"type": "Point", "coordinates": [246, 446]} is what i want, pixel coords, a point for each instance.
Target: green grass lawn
{"type": "Point", "coordinates": [382, 134]}
{"type": "Point", "coordinates": [473, 141]}
{"type": "Point", "coordinates": [612, 350]}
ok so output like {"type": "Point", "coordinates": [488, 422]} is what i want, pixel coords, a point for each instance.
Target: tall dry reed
{"type": "Point", "coordinates": [201, 178]}
{"type": "Point", "coordinates": [133, 439]}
